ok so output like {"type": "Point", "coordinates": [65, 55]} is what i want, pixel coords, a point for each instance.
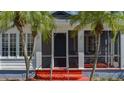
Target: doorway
{"type": "Point", "coordinates": [59, 49]}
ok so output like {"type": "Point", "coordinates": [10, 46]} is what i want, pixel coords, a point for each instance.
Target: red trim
{"type": "Point", "coordinates": [99, 65]}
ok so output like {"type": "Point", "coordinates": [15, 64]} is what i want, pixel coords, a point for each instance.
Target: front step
{"type": "Point", "coordinates": [60, 75]}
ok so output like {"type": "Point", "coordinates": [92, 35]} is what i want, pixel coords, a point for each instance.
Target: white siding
{"type": "Point", "coordinates": [13, 64]}
{"type": "Point", "coordinates": [17, 62]}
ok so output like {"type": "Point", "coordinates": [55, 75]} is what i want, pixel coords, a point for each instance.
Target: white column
{"type": "Point", "coordinates": [81, 49]}
{"type": "Point", "coordinates": [122, 49]}
{"type": "Point", "coordinates": [38, 55]}
{"type": "Point", "coordinates": [67, 54]}
{"type": "Point", "coordinates": [52, 50]}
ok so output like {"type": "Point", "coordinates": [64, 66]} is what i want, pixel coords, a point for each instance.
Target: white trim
{"type": "Point", "coordinates": [12, 57]}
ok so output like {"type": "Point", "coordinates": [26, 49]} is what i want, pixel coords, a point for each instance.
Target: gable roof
{"type": "Point", "coordinates": [61, 14]}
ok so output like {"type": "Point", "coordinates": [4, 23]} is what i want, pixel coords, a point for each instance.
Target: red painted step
{"type": "Point", "coordinates": [60, 75]}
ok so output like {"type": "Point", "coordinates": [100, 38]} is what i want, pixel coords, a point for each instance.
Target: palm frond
{"type": "Point", "coordinates": [90, 18]}
{"type": "Point", "coordinates": [6, 20]}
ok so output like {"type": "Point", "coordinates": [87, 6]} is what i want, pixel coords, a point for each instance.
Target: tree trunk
{"type": "Point", "coordinates": [27, 60]}
{"type": "Point", "coordinates": [33, 50]}
{"type": "Point", "coordinates": [20, 22]}
{"type": "Point", "coordinates": [27, 69]}
{"type": "Point", "coordinates": [96, 56]}
{"type": "Point", "coordinates": [24, 47]}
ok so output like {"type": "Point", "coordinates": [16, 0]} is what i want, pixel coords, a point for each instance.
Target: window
{"type": "Point", "coordinates": [109, 53]}
{"type": "Point", "coordinates": [21, 53]}
{"type": "Point", "coordinates": [29, 44]}
{"type": "Point", "coordinates": [4, 44]}
{"type": "Point", "coordinates": [12, 44]}
{"type": "Point", "coordinates": [90, 43]}
{"type": "Point", "coordinates": [9, 45]}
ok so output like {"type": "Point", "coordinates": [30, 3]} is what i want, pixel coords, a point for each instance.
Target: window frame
{"type": "Point", "coordinates": [17, 56]}
{"type": "Point", "coordinates": [13, 42]}
{"type": "Point", "coordinates": [6, 45]}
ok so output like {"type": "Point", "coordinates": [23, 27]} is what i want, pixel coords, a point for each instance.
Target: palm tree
{"type": "Point", "coordinates": [39, 22]}
{"type": "Point", "coordinates": [96, 20]}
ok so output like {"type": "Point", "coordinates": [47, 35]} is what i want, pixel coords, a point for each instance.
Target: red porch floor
{"type": "Point", "coordinates": [61, 75]}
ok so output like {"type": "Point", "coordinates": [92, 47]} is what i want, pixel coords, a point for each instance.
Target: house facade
{"type": "Point", "coordinates": [63, 51]}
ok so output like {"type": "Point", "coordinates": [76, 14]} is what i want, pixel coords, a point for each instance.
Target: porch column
{"type": "Point", "coordinates": [122, 49]}
{"type": "Point", "coordinates": [81, 49]}
{"type": "Point", "coordinates": [38, 55]}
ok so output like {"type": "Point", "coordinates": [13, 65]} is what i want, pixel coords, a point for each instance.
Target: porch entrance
{"type": "Point", "coordinates": [59, 49]}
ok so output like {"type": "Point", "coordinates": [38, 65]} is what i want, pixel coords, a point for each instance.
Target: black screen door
{"type": "Point", "coordinates": [60, 50]}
